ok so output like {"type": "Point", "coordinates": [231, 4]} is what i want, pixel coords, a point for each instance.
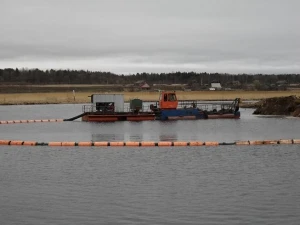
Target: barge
{"type": "Point", "coordinates": [110, 108]}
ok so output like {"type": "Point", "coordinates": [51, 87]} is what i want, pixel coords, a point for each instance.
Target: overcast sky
{"type": "Point", "coordinates": [129, 36]}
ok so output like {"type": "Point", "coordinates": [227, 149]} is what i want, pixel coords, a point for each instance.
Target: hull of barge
{"type": "Point", "coordinates": [150, 116]}
{"type": "Point", "coordinates": [225, 116]}
{"type": "Point", "coordinates": [117, 117]}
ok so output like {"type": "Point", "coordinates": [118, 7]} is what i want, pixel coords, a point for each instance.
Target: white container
{"type": "Point", "coordinates": [118, 100]}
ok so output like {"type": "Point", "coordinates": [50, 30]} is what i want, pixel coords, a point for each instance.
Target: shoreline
{"type": "Point", "coordinates": [83, 97]}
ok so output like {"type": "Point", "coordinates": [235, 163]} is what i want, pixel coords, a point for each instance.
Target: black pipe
{"type": "Point", "coordinates": [76, 117]}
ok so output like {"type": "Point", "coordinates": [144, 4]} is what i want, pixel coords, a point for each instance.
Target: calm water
{"type": "Point", "coordinates": [194, 185]}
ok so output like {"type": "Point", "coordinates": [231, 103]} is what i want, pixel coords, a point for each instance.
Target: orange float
{"type": "Point", "coordinates": [147, 143]}
{"type": "Point", "coordinates": [101, 143]}
{"type": "Point", "coordinates": [16, 142]}
{"type": "Point", "coordinates": [242, 143]}
{"type": "Point", "coordinates": [85, 143]}
{"type": "Point", "coordinates": [196, 143]}
{"type": "Point", "coordinates": [211, 143]}
{"type": "Point", "coordinates": [29, 143]}
{"type": "Point", "coordinates": [180, 143]}
{"type": "Point", "coordinates": [296, 141]}
{"type": "Point", "coordinates": [67, 143]}
{"type": "Point", "coordinates": [4, 142]}
{"type": "Point", "coordinates": [132, 143]}
{"type": "Point", "coordinates": [285, 141]}
{"type": "Point", "coordinates": [270, 142]}
{"type": "Point", "coordinates": [117, 143]}
{"type": "Point", "coordinates": [164, 143]}
{"type": "Point", "coordinates": [54, 143]}
{"type": "Point", "coordinates": [256, 142]}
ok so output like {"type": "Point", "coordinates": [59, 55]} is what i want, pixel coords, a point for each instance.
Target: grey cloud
{"type": "Point", "coordinates": [232, 35]}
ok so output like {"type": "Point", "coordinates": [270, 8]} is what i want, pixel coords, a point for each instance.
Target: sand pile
{"type": "Point", "coordinates": [279, 106]}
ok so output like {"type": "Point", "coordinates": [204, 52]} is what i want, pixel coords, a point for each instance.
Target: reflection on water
{"type": "Point", "coordinates": [107, 137]}
{"type": "Point", "coordinates": [169, 137]}
{"type": "Point", "coordinates": [248, 127]}
{"type": "Point", "coordinates": [204, 185]}
{"type": "Point", "coordinates": [131, 137]}
{"type": "Point", "coordinates": [271, 116]}
{"type": "Point", "coordinates": [100, 185]}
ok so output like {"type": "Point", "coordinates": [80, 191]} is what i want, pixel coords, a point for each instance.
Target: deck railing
{"type": "Point", "coordinates": [204, 106]}
{"type": "Point", "coordinates": [92, 108]}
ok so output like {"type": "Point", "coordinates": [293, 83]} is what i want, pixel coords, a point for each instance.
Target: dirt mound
{"type": "Point", "coordinates": [296, 113]}
{"type": "Point", "coordinates": [279, 106]}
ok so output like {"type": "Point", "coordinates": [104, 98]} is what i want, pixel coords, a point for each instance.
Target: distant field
{"type": "Point", "coordinates": [7, 89]}
{"type": "Point", "coordinates": [83, 96]}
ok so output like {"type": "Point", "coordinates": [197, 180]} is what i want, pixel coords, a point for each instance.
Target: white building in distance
{"type": "Point", "coordinates": [215, 86]}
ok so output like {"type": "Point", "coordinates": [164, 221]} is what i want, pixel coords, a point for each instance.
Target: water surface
{"type": "Point", "coordinates": [173, 185]}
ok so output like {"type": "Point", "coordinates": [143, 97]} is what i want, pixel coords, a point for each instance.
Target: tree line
{"type": "Point", "coordinates": [37, 76]}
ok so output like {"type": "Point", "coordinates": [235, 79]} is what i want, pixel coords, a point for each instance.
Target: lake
{"type": "Point", "coordinates": [148, 185]}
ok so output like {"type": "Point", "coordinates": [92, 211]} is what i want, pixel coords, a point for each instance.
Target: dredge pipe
{"type": "Point", "coordinates": [76, 117]}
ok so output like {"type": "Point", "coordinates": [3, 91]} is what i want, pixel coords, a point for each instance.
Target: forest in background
{"type": "Point", "coordinates": [195, 81]}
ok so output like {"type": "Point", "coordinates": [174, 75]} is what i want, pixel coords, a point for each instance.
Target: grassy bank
{"type": "Point", "coordinates": [82, 97]}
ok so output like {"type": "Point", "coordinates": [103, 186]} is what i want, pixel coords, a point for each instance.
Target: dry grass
{"type": "Point", "coordinates": [82, 97]}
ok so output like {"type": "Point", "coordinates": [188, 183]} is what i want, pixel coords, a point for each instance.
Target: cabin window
{"type": "Point", "coordinates": [172, 97]}
{"type": "Point", "coordinates": [165, 97]}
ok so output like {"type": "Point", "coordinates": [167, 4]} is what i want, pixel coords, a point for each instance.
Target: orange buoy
{"type": "Point", "coordinates": [17, 121]}
{"type": "Point", "coordinates": [23, 121]}
{"type": "Point", "coordinates": [147, 143]}
{"type": "Point", "coordinates": [285, 141]}
{"type": "Point", "coordinates": [117, 143]}
{"type": "Point", "coordinates": [30, 121]}
{"type": "Point", "coordinates": [101, 143]}
{"type": "Point", "coordinates": [16, 142]}
{"type": "Point", "coordinates": [164, 143]}
{"type": "Point", "coordinates": [196, 143]}
{"type": "Point", "coordinates": [29, 143]}
{"type": "Point", "coordinates": [10, 121]}
{"type": "Point", "coordinates": [4, 142]}
{"type": "Point", "coordinates": [180, 143]}
{"type": "Point", "coordinates": [45, 120]}
{"type": "Point", "coordinates": [3, 122]}
{"type": "Point", "coordinates": [242, 143]}
{"type": "Point", "coordinates": [59, 120]}
{"type": "Point", "coordinates": [270, 142]}
{"type": "Point", "coordinates": [296, 141]}
{"type": "Point", "coordinates": [37, 121]}
{"type": "Point", "coordinates": [54, 143]}
{"type": "Point", "coordinates": [132, 143]}
{"type": "Point", "coordinates": [68, 143]}
{"type": "Point", "coordinates": [211, 143]}
{"type": "Point", "coordinates": [256, 142]}
{"type": "Point", "coordinates": [52, 120]}
{"type": "Point", "coordinates": [85, 143]}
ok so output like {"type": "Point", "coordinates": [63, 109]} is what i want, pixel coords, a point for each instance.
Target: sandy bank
{"type": "Point", "coordinates": [83, 97]}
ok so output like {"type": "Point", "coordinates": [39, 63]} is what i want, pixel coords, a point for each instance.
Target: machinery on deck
{"type": "Point", "coordinates": [167, 109]}
{"type": "Point", "coordinates": [110, 107]}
